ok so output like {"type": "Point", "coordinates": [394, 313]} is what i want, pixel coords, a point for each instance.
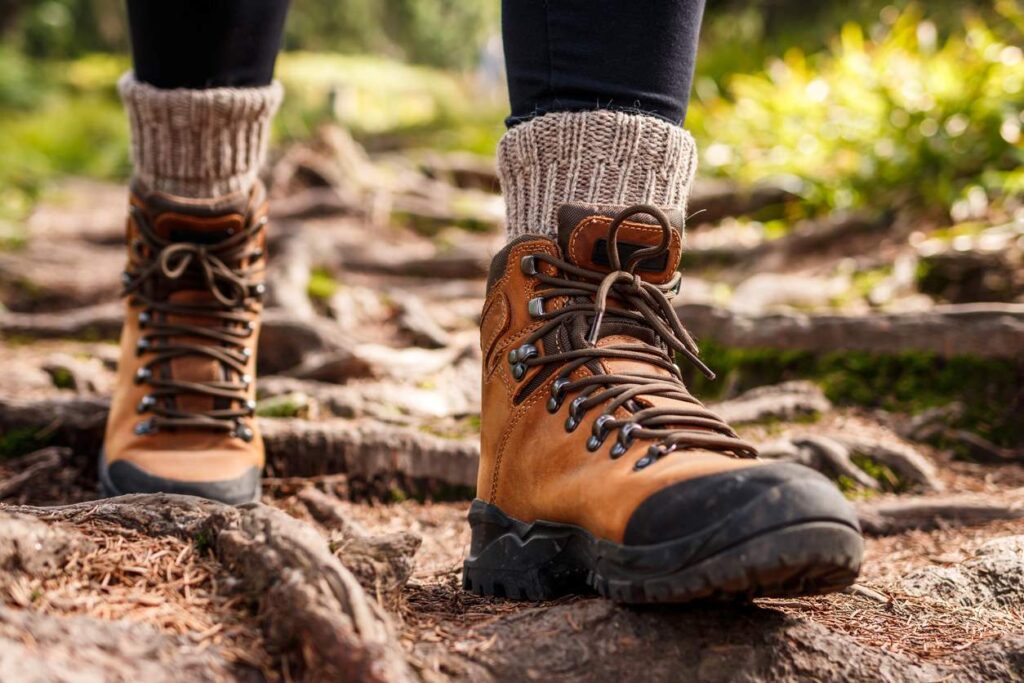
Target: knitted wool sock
{"type": "Point", "coordinates": [597, 157]}
{"type": "Point", "coordinates": [198, 143]}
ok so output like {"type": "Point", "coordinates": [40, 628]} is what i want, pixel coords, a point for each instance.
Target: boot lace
{"type": "Point", "coordinates": [643, 312]}
{"type": "Point", "coordinates": [227, 322]}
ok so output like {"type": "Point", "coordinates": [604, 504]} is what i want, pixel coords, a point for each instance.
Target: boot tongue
{"type": "Point", "coordinates": [201, 221]}
{"type": "Point", "coordinates": [583, 238]}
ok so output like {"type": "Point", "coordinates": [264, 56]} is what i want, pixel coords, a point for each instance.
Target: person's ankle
{"type": "Point", "coordinates": [198, 143]}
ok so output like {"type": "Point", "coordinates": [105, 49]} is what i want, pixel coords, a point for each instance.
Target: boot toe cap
{"type": "Point", "coordinates": [729, 507]}
{"type": "Point", "coordinates": [123, 477]}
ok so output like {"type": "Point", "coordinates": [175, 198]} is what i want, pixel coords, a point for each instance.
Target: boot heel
{"type": "Point", "coordinates": [510, 559]}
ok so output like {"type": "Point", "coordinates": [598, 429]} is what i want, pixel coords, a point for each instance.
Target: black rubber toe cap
{"type": "Point", "coordinates": [123, 477]}
{"type": "Point", "coordinates": [721, 509]}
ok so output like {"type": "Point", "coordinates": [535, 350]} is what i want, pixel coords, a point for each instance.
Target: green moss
{"type": "Point", "coordinates": [20, 441]}
{"type": "Point", "coordinates": [883, 474]}
{"type": "Point", "coordinates": [287, 405]}
{"type": "Point", "coordinates": [322, 285]}
{"type": "Point", "coordinates": [62, 378]}
{"type": "Point", "coordinates": [202, 541]}
{"type": "Point", "coordinates": [992, 391]}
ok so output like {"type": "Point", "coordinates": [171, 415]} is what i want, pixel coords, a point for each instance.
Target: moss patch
{"type": "Point", "coordinates": [992, 391]}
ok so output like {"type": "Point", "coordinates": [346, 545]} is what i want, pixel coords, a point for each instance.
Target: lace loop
{"type": "Point", "coordinates": [226, 272]}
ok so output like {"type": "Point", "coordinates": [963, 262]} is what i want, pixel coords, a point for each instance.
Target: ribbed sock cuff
{"type": "Point", "coordinates": [198, 143]}
{"type": "Point", "coordinates": [597, 157]}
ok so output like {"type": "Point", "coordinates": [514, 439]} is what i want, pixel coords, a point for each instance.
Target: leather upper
{"type": "Point", "coordinates": [531, 466]}
{"type": "Point", "coordinates": [185, 454]}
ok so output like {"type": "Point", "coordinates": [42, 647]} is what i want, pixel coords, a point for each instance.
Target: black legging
{"type": "Point", "coordinates": [561, 55]}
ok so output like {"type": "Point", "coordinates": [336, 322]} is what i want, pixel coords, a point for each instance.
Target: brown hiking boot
{"type": "Point", "coordinates": [598, 469]}
{"type": "Point", "coordinates": [181, 420]}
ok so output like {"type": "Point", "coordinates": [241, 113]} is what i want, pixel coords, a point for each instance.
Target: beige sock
{"type": "Point", "coordinates": [198, 143]}
{"type": "Point", "coordinates": [596, 157]}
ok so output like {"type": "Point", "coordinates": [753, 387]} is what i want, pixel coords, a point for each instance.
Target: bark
{"type": "Point", "coordinates": [887, 517]}
{"type": "Point", "coordinates": [596, 641]}
{"type": "Point", "coordinates": [36, 648]}
{"type": "Point", "coordinates": [366, 449]}
{"type": "Point", "coordinates": [32, 467]}
{"type": "Point", "coordinates": [382, 563]}
{"type": "Point", "coordinates": [784, 401]}
{"type": "Point", "coordinates": [309, 602]}
{"type": "Point", "coordinates": [984, 330]}
{"type": "Point", "coordinates": [295, 448]}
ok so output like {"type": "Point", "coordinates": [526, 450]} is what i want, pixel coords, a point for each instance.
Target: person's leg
{"type": "Point", "coordinates": [200, 102]}
{"type": "Point", "coordinates": [581, 55]}
{"type": "Point", "coordinates": [598, 469]}
{"type": "Point", "coordinates": [201, 97]}
{"type": "Point", "coordinates": [598, 89]}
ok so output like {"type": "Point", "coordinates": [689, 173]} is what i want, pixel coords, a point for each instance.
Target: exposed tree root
{"type": "Point", "coordinates": [596, 641]}
{"type": "Point", "coordinates": [359, 448]}
{"type": "Point", "coordinates": [38, 648]}
{"type": "Point", "coordinates": [986, 330]}
{"type": "Point", "coordinates": [381, 563]}
{"type": "Point", "coordinates": [309, 602]}
{"type": "Point", "coordinates": [366, 449]}
{"type": "Point", "coordinates": [786, 401]}
{"type": "Point", "coordinates": [836, 456]}
{"type": "Point", "coordinates": [31, 467]}
{"type": "Point", "coordinates": [883, 518]}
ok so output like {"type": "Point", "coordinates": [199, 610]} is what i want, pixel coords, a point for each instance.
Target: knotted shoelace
{"type": "Point", "coordinates": [228, 321]}
{"type": "Point", "coordinates": [643, 311]}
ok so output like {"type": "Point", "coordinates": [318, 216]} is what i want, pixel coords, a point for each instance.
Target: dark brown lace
{"type": "Point", "coordinates": [218, 269]}
{"type": "Point", "coordinates": [644, 312]}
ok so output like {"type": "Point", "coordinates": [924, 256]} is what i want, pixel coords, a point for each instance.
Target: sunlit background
{"type": "Point", "coordinates": [849, 103]}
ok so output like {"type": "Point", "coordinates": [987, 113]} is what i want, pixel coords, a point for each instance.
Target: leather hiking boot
{"type": "Point", "coordinates": [598, 469]}
{"type": "Point", "coordinates": [181, 420]}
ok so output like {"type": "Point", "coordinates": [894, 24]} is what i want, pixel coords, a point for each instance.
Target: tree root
{"type": "Point", "coordinates": [359, 448]}
{"type": "Point", "coordinates": [381, 563]}
{"type": "Point", "coordinates": [309, 602]}
{"type": "Point", "coordinates": [888, 517]}
{"type": "Point", "coordinates": [836, 457]}
{"type": "Point", "coordinates": [985, 330]}
{"type": "Point", "coordinates": [786, 401]}
{"type": "Point", "coordinates": [37, 648]}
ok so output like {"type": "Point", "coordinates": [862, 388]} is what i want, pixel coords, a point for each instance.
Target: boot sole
{"type": "Point", "coordinates": [546, 560]}
{"type": "Point", "coordinates": [230, 492]}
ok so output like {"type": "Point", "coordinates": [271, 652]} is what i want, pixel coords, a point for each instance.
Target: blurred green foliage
{"type": "Point", "coordinates": [847, 103]}
{"type": "Point", "coordinates": [446, 33]}
{"type": "Point", "coordinates": [904, 117]}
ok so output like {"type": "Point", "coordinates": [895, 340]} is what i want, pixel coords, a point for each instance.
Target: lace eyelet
{"type": "Point", "coordinates": [535, 307]}
{"type": "Point", "coordinates": [259, 289]}
{"type": "Point", "coordinates": [571, 423]}
{"type": "Point", "coordinates": [247, 352]}
{"type": "Point", "coordinates": [523, 353]}
{"type": "Point", "coordinates": [528, 264]}
{"type": "Point", "coordinates": [143, 375]}
{"type": "Point", "coordinates": [145, 404]}
{"type": "Point", "coordinates": [250, 405]}
{"type": "Point", "coordinates": [246, 380]}
{"type": "Point", "coordinates": [126, 279]}
{"type": "Point", "coordinates": [144, 319]}
{"type": "Point", "coordinates": [557, 394]}
{"type": "Point", "coordinates": [600, 432]}
{"type": "Point", "coordinates": [141, 347]}
{"type": "Point", "coordinates": [643, 462]}
{"type": "Point", "coordinates": [145, 427]}
{"type": "Point", "coordinates": [518, 371]}
{"type": "Point", "coordinates": [243, 432]}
